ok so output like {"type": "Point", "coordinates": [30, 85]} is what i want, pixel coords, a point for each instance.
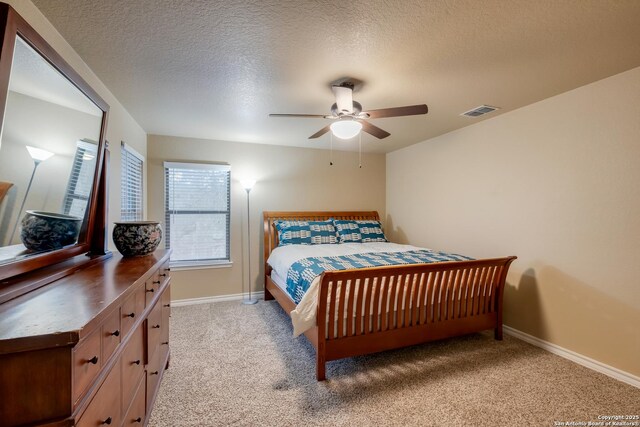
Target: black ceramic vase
{"type": "Point", "coordinates": [137, 238]}
{"type": "Point", "coordinates": [44, 231]}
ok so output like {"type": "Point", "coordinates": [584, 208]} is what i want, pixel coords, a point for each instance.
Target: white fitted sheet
{"type": "Point", "coordinates": [280, 281]}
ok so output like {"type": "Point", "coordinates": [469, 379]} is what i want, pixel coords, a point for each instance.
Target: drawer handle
{"type": "Point", "coordinates": [116, 333]}
{"type": "Point", "coordinates": [137, 420]}
{"type": "Point", "coordinates": [162, 275]}
{"type": "Point", "coordinates": [165, 343]}
{"type": "Point", "coordinates": [93, 360]}
{"type": "Point", "coordinates": [155, 327]}
{"type": "Point", "coordinates": [156, 282]}
{"type": "Point", "coordinates": [167, 305]}
{"type": "Point", "coordinates": [132, 315]}
{"type": "Point", "coordinates": [167, 269]}
{"type": "Point", "coordinates": [153, 373]}
{"type": "Point", "coordinates": [151, 290]}
{"type": "Point", "coordinates": [107, 421]}
{"type": "Point", "coordinates": [136, 362]}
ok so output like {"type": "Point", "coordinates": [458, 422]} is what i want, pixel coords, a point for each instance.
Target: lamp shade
{"type": "Point", "coordinates": [248, 184]}
{"type": "Point", "coordinates": [345, 129]}
{"type": "Point", "coordinates": [38, 154]}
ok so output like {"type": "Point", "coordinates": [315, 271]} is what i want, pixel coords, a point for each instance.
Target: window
{"type": "Point", "coordinates": [80, 182]}
{"type": "Point", "coordinates": [197, 213]}
{"type": "Point", "coordinates": [131, 185]}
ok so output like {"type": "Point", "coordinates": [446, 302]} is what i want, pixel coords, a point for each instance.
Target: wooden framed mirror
{"type": "Point", "coordinates": [53, 159]}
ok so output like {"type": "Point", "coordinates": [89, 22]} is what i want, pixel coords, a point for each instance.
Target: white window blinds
{"type": "Point", "coordinates": [197, 212]}
{"type": "Point", "coordinates": [80, 182]}
{"type": "Point", "coordinates": [131, 185]}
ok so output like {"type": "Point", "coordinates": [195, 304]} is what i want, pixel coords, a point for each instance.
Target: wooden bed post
{"type": "Point", "coordinates": [497, 333]}
{"type": "Point", "coordinates": [267, 250]}
{"type": "Point", "coordinates": [321, 325]}
{"type": "Point", "coordinates": [267, 272]}
{"type": "Point", "coordinates": [321, 362]}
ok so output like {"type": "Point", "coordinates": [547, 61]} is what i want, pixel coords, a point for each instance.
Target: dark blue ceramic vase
{"type": "Point", "coordinates": [44, 231]}
{"type": "Point", "coordinates": [137, 238]}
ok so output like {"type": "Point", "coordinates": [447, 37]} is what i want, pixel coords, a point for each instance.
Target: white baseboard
{"type": "Point", "coordinates": [209, 300]}
{"type": "Point", "coordinates": [585, 361]}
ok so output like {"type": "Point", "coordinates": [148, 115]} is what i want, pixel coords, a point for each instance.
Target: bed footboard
{"type": "Point", "coordinates": [375, 309]}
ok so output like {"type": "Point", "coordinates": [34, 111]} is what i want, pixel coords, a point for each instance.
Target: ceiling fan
{"type": "Point", "coordinates": [349, 119]}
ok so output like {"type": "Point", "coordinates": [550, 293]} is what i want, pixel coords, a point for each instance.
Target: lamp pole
{"type": "Point", "coordinates": [248, 185]}
{"type": "Point", "coordinates": [26, 193]}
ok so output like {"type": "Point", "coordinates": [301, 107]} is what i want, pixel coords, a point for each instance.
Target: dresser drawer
{"type": "Point", "coordinates": [111, 334]}
{"type": "Point", "coordinates": [138, 409]}
{"type": "Point", "coordinates": [166, 313]}
{"type": "Point", "coordinates": [151, 288]}
{"type": "Point", "coordinates": [154, 371]}
{"type": "Point", "coordinates": [154, 326]}
{"type": "Point", "coordinates": [132, 360]}
{"type": "Point", "coordinates": [104, 409]}
{"type": "Point", "coordinates": [87, 361]}
{"type": "Point", "coordinates": [164, 272]}
{"type": "Point", "coordinates": [132, 308]}
{"type": "Point", "coordinates": [155, 281]}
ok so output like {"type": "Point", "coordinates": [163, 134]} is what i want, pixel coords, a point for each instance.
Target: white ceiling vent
{"type": "Point", "coordinates": [480, 111]}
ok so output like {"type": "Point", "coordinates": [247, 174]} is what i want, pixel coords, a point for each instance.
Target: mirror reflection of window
{"type": "Point", "coordinates": [81, 179]}
{"type": "Point", "coordinates": [47, 113]}
{"type": "Point", "coordinates": [131, 185]}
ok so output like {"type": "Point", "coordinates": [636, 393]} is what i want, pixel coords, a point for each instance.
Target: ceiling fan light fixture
{"type": "Point", "coordinates": [345, 129]}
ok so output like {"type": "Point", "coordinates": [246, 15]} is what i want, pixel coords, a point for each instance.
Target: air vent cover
{"type": "Point", "coordinates": [480, 111]}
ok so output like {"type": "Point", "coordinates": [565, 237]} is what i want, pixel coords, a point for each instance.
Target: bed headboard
{"type": "Point", "coordinates": [271, 235]}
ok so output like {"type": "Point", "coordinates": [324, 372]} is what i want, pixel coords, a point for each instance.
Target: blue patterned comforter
{"type": "Point", "coordinates": [303, 272]}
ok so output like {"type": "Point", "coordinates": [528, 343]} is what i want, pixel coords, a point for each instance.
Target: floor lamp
{"type": "Point", "coordinates": [38, 155]}
{"type": "Point", "coordinates": [248, 185]}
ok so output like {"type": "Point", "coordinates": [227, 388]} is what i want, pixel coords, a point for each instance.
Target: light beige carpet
{"type": "Point", "coordinates": [233, 364]}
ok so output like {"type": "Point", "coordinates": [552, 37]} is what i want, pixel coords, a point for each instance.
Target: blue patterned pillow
{"type": "Point", "coordinates": [348, 231]}
{"type": "Point", "coordinates": [359, 231]}
{"type": "Point", "coordinates": [305, 232]}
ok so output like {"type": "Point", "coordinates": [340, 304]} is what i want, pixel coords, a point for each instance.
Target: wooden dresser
{"type": "Point", "coordinates": [89, 349]}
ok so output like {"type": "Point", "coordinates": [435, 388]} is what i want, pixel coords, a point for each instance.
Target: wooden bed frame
{"type": "Point", "coordinates": [433, 301]}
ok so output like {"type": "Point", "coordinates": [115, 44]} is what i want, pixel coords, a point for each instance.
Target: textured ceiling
{"type": "Point", "coordinates": [215, 69]}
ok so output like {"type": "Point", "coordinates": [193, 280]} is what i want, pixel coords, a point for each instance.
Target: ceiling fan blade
{"type": "Point", "coordinates": [320, 132]}
{"type": "Point", "coordinates": [306, 116]}
{"type": "Point", "coordinates": [344, 98]}
{"type": "Point", "coordinates": [374, 130]}
{"type": "Point", "coordinates": [410, 110]}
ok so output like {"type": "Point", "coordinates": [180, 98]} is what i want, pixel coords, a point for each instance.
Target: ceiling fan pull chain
{"type": "Point", "coordinates": [331, 149]}
{"type": "Point", "coordinates": [360, 150]}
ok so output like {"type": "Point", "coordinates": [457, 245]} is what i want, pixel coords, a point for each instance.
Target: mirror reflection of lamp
{"type": "Point", "coordinates": [38, 155]}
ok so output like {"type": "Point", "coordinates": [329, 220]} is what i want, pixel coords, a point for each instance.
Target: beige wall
{"type": "Point", "coordinates": [288, 179]}
{"type": "Point", "coordinates": [121, 126]}
{"type": "Point", "coordinates": [556, 183]}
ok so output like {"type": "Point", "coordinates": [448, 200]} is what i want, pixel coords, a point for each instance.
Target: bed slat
{"type": "Point", "coordinates": [332, 312]}
{"type": "Point", "coordinates": [370, 287]}
{"type": "Point", "coordinates": [397, 301]}
{"type": "Point", "coordinates": [340, 315]}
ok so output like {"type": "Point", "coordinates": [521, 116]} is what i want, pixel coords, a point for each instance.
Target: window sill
{"type": "Point", "coordinates": [178, 266]}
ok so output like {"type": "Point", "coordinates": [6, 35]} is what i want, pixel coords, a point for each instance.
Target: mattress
{"type": "Point", "coordinates": [283, 257]}
{"type": "Point", "coordinates": [280, 281]}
